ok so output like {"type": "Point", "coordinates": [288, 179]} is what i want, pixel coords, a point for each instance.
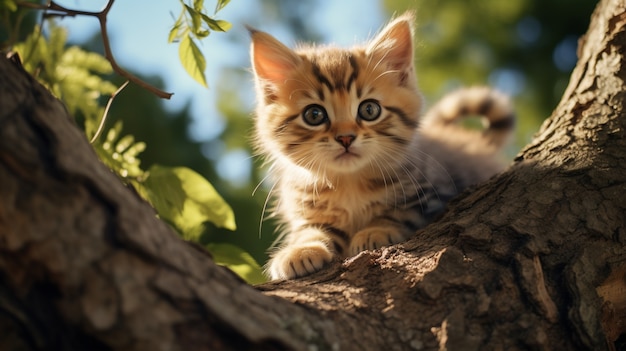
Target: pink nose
{"type": "Point", "coordinates": [345, 140]}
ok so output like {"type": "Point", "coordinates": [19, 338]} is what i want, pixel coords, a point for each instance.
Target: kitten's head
{"type": "Point", "coordinates": [337, 111]}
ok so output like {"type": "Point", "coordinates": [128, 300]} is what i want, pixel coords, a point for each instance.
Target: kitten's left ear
{"type": "Point", "coordinates": [394, 44]}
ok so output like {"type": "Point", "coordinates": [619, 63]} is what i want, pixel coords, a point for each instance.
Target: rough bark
{"type": "Point", "coordinates": [533, 259]}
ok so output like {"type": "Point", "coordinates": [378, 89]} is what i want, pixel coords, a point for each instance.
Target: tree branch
{"type": "Point", "coordinates": [106, 112]}
{"type": "Point", "coordinates": [59, 10]}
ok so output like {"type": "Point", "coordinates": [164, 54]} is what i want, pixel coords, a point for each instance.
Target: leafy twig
{"type": "Point", "coordinates": [54, 9]}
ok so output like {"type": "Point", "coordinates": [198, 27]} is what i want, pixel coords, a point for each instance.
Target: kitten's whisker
{"type": "Point", "coordinates": [379, 62]}
{"type": "Point", "coordinates": [384, 73]}
{"type": "Point", "coordinates": [419, 188]}
{"type": "Point", "coordinates": [412, 180]}
{"type": "Point", "coordinates": [392, 181]}
{"type": "Point", "coordinates": [297, 90]}
{"type": "Point", "coordinates": [264, 209]}
{"type": "Point", "coordinates": [267, 177]}
{"type": "Point", "coordinates": [397, 180]}
{"type": "Point", "coordinates": [442, 170]}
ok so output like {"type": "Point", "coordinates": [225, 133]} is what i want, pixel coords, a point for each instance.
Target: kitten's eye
{"type": "Point", "coordinates": [314, 115]}
{"type": "Point", "coordinates": [369, 110]}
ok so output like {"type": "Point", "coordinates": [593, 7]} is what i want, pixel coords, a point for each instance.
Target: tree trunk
{"type": "Point", "coordinates": [533, 259]}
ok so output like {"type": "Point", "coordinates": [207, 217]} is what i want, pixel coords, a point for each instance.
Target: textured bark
{"type": "Point", "coordinates": [533, 259]}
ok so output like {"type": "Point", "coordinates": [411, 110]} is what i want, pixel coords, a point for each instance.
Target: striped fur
{"type": "Point", "coordinates": [353, 166]}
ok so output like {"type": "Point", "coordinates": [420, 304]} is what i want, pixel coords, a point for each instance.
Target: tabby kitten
{"type": "Point", "coordinates": [354, 166]}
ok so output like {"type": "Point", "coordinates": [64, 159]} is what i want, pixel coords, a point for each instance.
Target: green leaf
{"type": "Point", "coordinates": [238, 261]}
{"type": "Point", "coordinates": [192, 59]}
{"type": "Point", "coordinates": [174, 32]}
{"type": "Point", "coordinates": [121, 156]}
{"type": "Point", "coordinates": [91, 61]}
{"type": "Point", "coordinates": [220, 5]}
{"type": "Point", "coordinates": [202, 33]}
{"type": "Point", "coordinates": [198, 5]}
{"type": "Point", "coordinates": [8, 4]}
{"type": "Point", "coordinates": [70, 73]}
{"type": "Point", "coordinates": [224, 25]}
{"type": "Point", "coordinates": [112, 135]}
{"type": "Point", "coordinates": [135, 149]}
{"type": "Point", "coordinates": [124, 143]}
{"type": "Point", "coordinates": [216, 25]}
{"type": "Point", "coordinates": [195, 18]}
{"type": "Point", "coordinates": [185, 199]}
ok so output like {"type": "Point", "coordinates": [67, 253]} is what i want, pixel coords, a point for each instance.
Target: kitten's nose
{"type": "Point", "coordinates": [345, 140]}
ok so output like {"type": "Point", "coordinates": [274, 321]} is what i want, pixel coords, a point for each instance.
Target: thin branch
{"type": "Point", "coordinates": [106, 112]}
{"type": "Point", "coordinates": [55, 9]}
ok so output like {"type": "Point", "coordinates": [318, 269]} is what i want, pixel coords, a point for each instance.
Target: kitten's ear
{"type": "Point", "coordinates": [271, 60]}
{"type": "Point", "coordinates": [394, 44]}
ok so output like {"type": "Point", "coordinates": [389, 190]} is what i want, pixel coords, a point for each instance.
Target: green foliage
{"type": "Point", "coordinates": [9, 23]}
{"type": "Point", "coordinates": [181, 197]}
{"type": "Point", "coordinates": [192, 59]}
{"type": "Point", "coordinates": [8, 4]}
{"type": "Point", "coordinates": [238, 261]}
{"type": "Point", "coordinates": [186, 200]}
{"type": "Point", "coordinates": [193, 24]}
{"type": "Point", "coordinates": [120, 153]}
{"type": "Point", "coordinates": [72, 74]}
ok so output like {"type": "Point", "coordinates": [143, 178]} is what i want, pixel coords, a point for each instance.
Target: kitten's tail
{"type": "Point", "coordinates": [495, 108]}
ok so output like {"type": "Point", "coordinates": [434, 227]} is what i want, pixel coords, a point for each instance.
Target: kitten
{"type": "Point", "coordinates": [354, 166]}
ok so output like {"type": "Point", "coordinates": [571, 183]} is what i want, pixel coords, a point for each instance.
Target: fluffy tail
{"type": "Point", "coordinates": [495, 108]}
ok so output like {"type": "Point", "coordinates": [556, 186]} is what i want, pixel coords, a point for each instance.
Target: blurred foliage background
{"type": "Point", "coordinates": [527, 48]}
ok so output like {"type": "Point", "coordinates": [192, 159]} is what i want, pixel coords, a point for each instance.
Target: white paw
{"type": "Point", "coordinates": [299, 260]}
{"type": "Point", "coordinates": [375, 238]}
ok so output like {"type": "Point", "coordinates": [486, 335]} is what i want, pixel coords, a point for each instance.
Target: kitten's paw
{"type": "Point", "coordinates": [375, 238]}
{"type": "Point", "coordinates": [299, 260]}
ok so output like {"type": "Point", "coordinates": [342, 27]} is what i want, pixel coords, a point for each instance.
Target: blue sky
{"type": "Point", "coordinates": [138, 31]}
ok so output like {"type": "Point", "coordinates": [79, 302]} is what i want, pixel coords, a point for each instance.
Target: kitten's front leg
{"type": "Point", "coordinates": [307, 252]}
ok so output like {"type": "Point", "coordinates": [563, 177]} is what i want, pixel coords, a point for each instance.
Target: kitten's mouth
{"type": "Point", "coordinates": [347, 155]}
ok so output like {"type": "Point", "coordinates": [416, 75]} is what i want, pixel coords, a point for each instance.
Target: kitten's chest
{"type": "Point", "coordinates": [349, 206]}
